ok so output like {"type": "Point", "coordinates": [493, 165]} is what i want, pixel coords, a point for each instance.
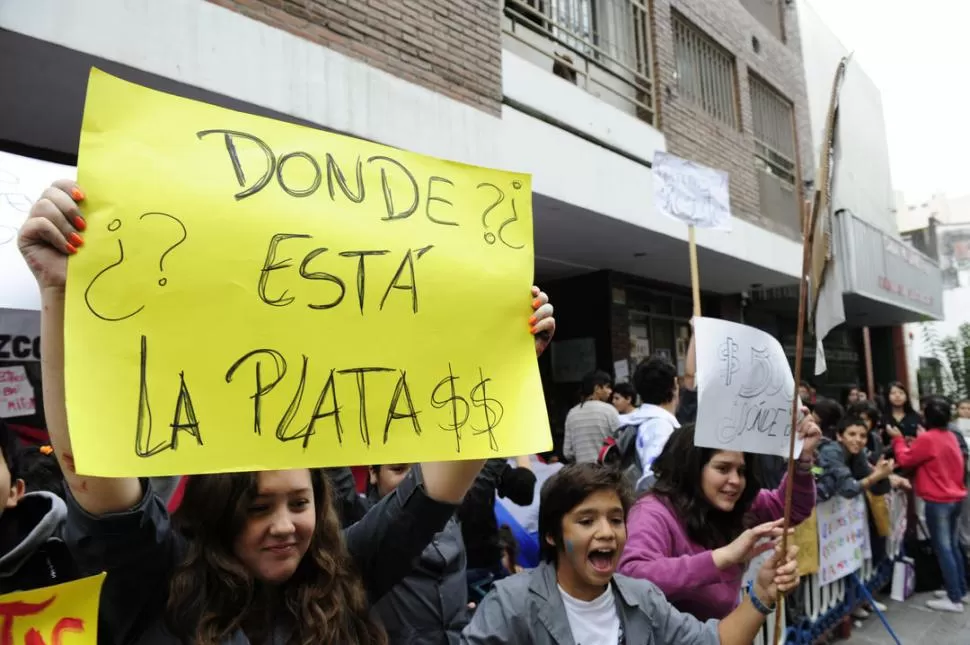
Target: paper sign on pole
{"type": "Point", "coordinates": [744, 389]}
{"type": "Point", "coordinates": [66, 613]}
{"type": "Point", "coordinates": [691, 193]}
{"type": "Point", "coordinates": [259, 295]}
{"type": "Point", "coordinates": [843, 537]}
{"type": "Point", "coordinates": [22, 180]}
{"type": "Point", "coordinates": [16, 393]}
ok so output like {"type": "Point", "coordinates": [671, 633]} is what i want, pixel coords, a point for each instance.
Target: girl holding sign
{"type": "Point", "coordinates": [693, 534]}
{"type": "Point", "coordinates": [249, 556]}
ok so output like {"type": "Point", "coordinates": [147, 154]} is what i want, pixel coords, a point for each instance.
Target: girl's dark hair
{"type": "Point", "coordinates": [212, 594]}
{"type": "Point", "coordinates": [678, 470]}
{"type": "Point", "coordinates": [509, 544]}
{"type": "Point", "coordinates": [907, 404]}
{"type": "Point", "coordinates": [829, 413]}
{"type": "Point", "coordinates": [40, 471]}
{"type": "Point", "coordinates": [566, 490]}
{"type": "Point", "coordinates": [865, 409]}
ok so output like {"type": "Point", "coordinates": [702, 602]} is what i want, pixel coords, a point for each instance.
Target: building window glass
{"type": "Point", "coordinates": [773, 122]}
{"type": "Point", "coordinates": [705, 72]}
{"type": "Point", "coordinates": [601, 45]}
{"type": "Point", "coordinates": [769, 13]}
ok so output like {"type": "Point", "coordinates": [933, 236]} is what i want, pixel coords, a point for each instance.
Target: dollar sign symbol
{"type": "Point", "coordinates": [457, 420]}
{"type": "Point", "coordinates": [491, 407]}
{"type": "Point", "coordinates": [729, 356]}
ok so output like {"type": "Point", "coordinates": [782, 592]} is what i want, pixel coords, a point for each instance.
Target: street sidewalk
{"type": "Point", "coordinates": [914, 624]}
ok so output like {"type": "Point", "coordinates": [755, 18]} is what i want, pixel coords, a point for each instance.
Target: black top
{"type": "Point", "coordinates": [139, 549]}
{"type": "Point", "coordinates": [907, 425]}
{"type": "Point", "coordinates": [479, 528]}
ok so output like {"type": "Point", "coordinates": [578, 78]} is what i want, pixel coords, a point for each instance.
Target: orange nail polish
{"type": "Point", "coordinates": [532, 321]}
{"type": "Point", "coordinates": [77, 195]}
{"type": "Point", "coordinates": [75, 239]}
{"type": "Point", "coordinates": [535, 304]}
{"type": "Point", "coordinates": [79, 223]}
{"type": "Point", "coordinates": [532, 330]}
{"type": "Point", "coordinates": [71, 249]}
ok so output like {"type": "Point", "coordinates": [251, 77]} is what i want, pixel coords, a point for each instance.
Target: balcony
{"type": "Point", "coordinates": [602, 46]}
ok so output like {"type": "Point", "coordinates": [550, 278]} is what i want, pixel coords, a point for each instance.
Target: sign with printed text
{"type": "Point", "coordinates": [745, 389]}
{"type": "Point", "coordinates": [20, 334]}
{"type": "Point", "coordinates": [65, 614]}
{"type": "Point", "coordinates": [16, 393]}
{"type": "Point", "coordinates": [691, 193]}
{"type": "Point", "coordinates": [843, 537]}
{"type": "Point", "coordinates": [260, 295]}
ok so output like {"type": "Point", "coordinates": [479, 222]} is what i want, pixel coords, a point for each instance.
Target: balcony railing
{"type": "Point", "coordinates": [603, 46]}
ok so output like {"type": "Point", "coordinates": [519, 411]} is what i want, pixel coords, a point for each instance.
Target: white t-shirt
{"type": "Point", "coordinates": [595, 622]}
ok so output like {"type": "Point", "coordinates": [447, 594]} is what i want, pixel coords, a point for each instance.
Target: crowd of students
{"type": "Point", "coordinates": [298, 556]}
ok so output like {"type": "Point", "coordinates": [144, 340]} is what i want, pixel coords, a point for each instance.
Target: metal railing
{"type": "Point", "coordinates": [602, 45]}
{"type": "Point", "coordinates": [705, 72]}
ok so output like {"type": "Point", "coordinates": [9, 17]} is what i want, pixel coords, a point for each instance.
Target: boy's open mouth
{"type": "Point", "coordinates": [602, 559]}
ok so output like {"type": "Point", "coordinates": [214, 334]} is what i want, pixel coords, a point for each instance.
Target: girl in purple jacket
{"type": "Point", "coordinates": [693, 534]}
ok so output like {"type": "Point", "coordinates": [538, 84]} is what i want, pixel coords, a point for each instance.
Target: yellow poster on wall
{"type": "Point", "coordinates": [806, 537]}
{"type": "Point", "coordinates": [254, 294]}
{"type": "Point", "coordinates": [66, 614]}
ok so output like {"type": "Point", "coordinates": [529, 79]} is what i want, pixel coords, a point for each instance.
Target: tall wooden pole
{"type": "Point", "coordinates": [695, 280]}
{"type": "Point", "coordinates": [808, 222]}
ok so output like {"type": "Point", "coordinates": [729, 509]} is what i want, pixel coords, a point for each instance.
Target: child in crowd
{"type": "Point", "coordinates": [704, 519]}
{"type": "Point", "coordinates": [870, 414]}
{"type": "Point", "coordinates": [845, 468]}
{"type": "Point", "coordinates": [32, 551]}
{"type": "Point", "coordinates": [656, 382]}
{"type": "Point", "coordinates": [575, 596]}
{"type": "Point", "coordinates": [624, 398]}
{"type": "Point", "coordinates": [248, 557]}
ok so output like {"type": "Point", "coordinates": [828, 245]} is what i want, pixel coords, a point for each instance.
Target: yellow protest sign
{"type": "Point", "coordinates": [65, 614]}
{"type": "Point", "coordinates": [254, 294]}
{"type": "Point", "coordinates": [806, 537]}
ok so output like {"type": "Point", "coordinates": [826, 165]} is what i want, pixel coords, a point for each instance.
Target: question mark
{"type": "Point", "coordinates": [161, 261]}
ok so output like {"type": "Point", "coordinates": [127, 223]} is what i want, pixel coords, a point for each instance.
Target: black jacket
{"type": "Point", "coordinates": [32, 553]}
{"type": "Point", "coordinates": [479, 528]}
{"type": "Point", "coordinates": [139, 549]}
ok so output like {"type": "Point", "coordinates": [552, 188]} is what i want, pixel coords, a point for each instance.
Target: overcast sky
{"type": "Point", "coordinates": [918, 53]}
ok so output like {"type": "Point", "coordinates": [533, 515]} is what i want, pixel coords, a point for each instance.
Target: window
{"type": "Point", "coordinates": [705, 72]}
{"type": "Point", "coordinates": [769, 14]}
{"type": "Point", "coordinates": [773, 121]}
{"type": "Point", "coordinates": [774, 130]}
{"type": "Point", "coordinates": [606, 43]}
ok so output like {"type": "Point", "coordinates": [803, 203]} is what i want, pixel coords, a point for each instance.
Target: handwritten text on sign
{"type": "Point", "coordinates": [745, 389]}
{"type": "Point", "coordinates": [692, 193]}
{"type": "Point", "coordinates": [64, 614]}
{"type": "Point", "coordinates": [16, 393]}
{"type": "Point", "coordinates": [843, 537]}
{"type": "Point", "coordinates": [258, 295]}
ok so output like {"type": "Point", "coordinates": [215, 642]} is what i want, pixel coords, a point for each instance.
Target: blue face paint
{"type": "Point", "coordinates": [569, 546]}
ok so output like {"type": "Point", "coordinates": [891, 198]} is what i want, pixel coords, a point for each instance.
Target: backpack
{"type": "Point", "coordinates": [620, 451]}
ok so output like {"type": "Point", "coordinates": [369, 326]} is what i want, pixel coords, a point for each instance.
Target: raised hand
{"type": "Point", "coordinates": [51, 233]}
{"type": "Point", "coordinates": [748, 545]}
{"type": "Point", "coordinates": [542, 325]}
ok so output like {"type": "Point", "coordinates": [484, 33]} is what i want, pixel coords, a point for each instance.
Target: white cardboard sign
{"type": "Point", "coordinates": [691, 193]}
{"type": "Point", "coordinates": [745, 389]}
{"type": "Point", "coordinates": [16, 393]}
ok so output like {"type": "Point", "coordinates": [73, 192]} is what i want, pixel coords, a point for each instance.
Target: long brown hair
{"type": "Point", "coordinates": [212, 594]}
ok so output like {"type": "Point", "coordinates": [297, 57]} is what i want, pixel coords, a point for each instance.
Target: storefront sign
{"type": "Point", "coordinates": [886, 269]}
{"type": "Point", "coordinates": [19, 335]}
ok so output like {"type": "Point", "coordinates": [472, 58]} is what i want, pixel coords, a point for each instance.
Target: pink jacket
{"type": "Point", "coordinates": [658, 550]}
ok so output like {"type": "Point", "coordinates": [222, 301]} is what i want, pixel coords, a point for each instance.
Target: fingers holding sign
{"type": "Point", "coordinates": [541, 325]}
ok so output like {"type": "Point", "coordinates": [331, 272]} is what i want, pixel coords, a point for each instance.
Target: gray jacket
{"type": "Point", "coordinates": [527, 609]}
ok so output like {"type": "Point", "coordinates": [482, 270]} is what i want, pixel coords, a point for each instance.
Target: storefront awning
{"type": "Point", "coordinates": [887, 282]}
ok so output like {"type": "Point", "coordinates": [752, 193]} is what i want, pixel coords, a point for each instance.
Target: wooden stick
{"type": "Point", "coordinates": [867, 353]}
{"type": "Point", "coordinates": [808, 223]}
{"type": "Point", "coordinates": [695, 280]}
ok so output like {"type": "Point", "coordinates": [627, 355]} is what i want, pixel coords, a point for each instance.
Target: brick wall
{"type": "Point", "coordinates": [453, 47]}
{"type": "Point", "coordinates": [691, 133]}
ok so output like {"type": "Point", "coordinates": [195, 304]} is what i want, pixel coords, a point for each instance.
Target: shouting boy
{"type": "Point", "coordinates": [574, 596]}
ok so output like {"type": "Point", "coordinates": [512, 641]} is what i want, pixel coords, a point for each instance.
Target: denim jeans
{"type": "Point", "coordinates": [943, 521]}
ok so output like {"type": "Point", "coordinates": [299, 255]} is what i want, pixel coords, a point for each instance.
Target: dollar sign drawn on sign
{"type": "Point", "coordinates": [458, 420]}
{"type": "Point", "coordinates": [728, 352]}
{"type": "Point", "coordinates": [491, 407]}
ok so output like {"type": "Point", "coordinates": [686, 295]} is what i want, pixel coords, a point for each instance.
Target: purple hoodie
{"type": "Point", "coordinates": [658, 550]}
